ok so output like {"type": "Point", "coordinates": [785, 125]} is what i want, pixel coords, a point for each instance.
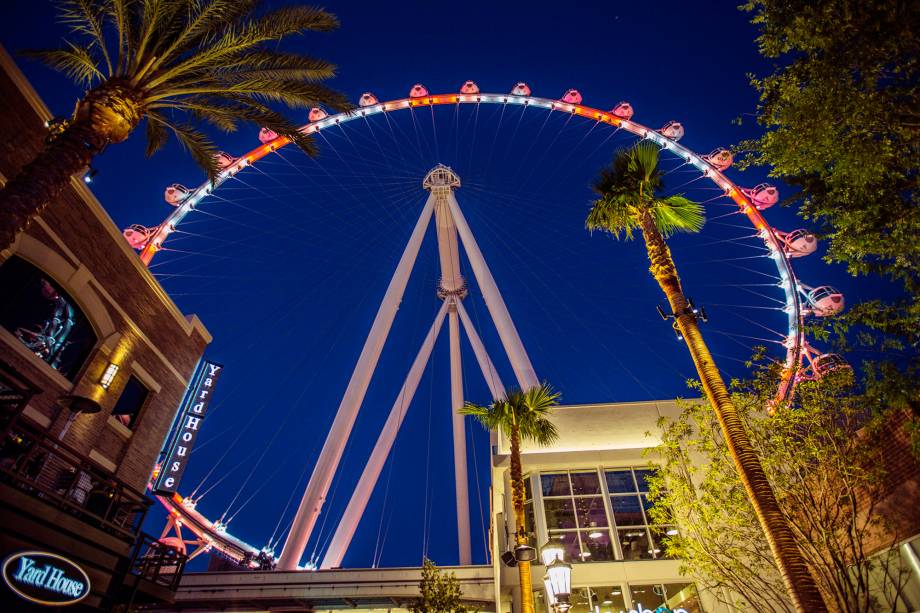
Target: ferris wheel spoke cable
{"type": "Point", "coordinates": [537, 300]}
{"type": "Point", "coordinates": [563, 280]}
{"type": "Point", "coordinates": [762, 295]}
{"type": "Point", "coordinates": [370, 192]}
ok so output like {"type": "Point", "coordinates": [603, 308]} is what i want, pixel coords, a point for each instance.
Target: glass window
{"type": "Point", "coordinates": [642, 476]}
{"type": "Point", "coordinates": [620, 481]}
{"type": "Point", "coordinates": [636, 544]}
{"type": "Point", "coordinates": [627, 510]}
{"type": "Point", "coordinates": [669, 595]}
{"type": "Point", "coordinates": [560, 514]}
{"type": "Point", "coordinates": [595, 545]}
{"type": "Point", "coordinates": [44, 317]}
{"type": "Point", "coordinates": [129, 404]}
{"type": "Point", "coordinates": [569, 543]}
{"type": "Point", "coordinates": [590, 512]}
{"type": "Point", "coordinates": [555, 485]}
{"type": "Point", "coordinates": [585, 483]}
{"type": "Point", "coordinates": [598, 598]}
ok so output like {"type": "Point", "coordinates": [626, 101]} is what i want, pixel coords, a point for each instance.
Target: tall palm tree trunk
{"type": "Point", "coordinates": [799, 581]}
{"type": "Point", "coordinates": [517, 498]}
{"type": "Point", "coordinates": [106, 114]}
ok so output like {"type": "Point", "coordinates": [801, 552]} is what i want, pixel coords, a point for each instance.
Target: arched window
{"type": "Point", "coordinates": [38, 312]}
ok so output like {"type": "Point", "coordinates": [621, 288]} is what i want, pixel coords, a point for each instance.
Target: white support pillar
{"type": "Point", "coordinates": [359, 499]}
{"type": "Point", "coordinates": [315, 495]}
{"type": "Point", "coordinates": [520, 362]}
{"type": "Point", "coordinates": [496, 387]}
{"type": "Point", "coordinates": [461, 478]}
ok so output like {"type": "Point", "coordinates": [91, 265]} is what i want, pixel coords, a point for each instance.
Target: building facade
{"type": "Point", "coordinates": [589, 491]}
{"type": "Point", "coordinates": [94, 362]}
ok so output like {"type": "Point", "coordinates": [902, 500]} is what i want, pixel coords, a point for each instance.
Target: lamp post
{"type": "Point", "coordinates": [558, 578]}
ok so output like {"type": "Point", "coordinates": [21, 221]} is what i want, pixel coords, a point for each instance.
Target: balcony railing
{"type": "Point", "coordinates": [158, 563]}
{"type": "Point", "coordinates": [48, 469]}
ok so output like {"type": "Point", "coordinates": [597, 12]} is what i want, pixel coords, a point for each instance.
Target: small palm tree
{"type": "Point", "coordinates": [629, 200]}
{"type": "Point", "coordinates": [213, 61]}
{"type": "Point", "coordinates": [520, 415]}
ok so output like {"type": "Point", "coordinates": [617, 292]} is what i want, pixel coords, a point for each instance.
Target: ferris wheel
{"type": "Point", "coordinates": [371, 162]}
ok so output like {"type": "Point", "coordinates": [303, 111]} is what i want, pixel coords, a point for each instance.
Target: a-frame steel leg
{"type": "Point", "coordinates": [315, 495]}
{"type": "Point", "coordinates": [359, 499]}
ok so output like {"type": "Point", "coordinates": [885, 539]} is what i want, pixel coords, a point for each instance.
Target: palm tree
{"type": "Point", "coordinates": [520, 415]}
{"type": "Point", "coordinates": [629, 200]}
{"type": "Point", "coordinates": [167, 61]}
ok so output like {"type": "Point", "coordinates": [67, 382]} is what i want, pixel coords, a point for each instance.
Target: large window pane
{"type": "Point", "coordinates": [555, 485]}
{"type": "Point", "coordinates": [642, 477]}
{"type": "Point", "coordinates": [531, 524]}
{"type": "Point", "coordinates": [590, 512]}
{"type": "Point", "coordinates": [569, 543]}
{"type": "Point", "coordinates": [635, 544]}
{"type": "Point", "coordinates": [659, 534]}
{"type": "Point", "coordinates": [38, 312]}
{"type": "Point", "coordinates": [620, 481]}
{"type": "Point", "coordinates": [627, 510]}
{"type": "Point", "coordinates": [560, 514]}
{"type": "Point", "coordinates": [129, 404]}
{"type": "Point", "coordinates": [595, 544]}
{"type": "Point", "coordinates": [528, 494]}
{"type": "Point", "coordinates": [585, 483]}
{"type": "Point", "coordinates": [669, 595]}
{"type": "Point", "coordinates": [606, 598]}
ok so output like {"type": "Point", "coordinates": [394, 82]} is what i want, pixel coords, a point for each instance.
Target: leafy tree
{"type": "Point", "coordinates": [629, 200]}
{"type": "Point", "coordinates": [211, 61]}
{"type": "Point", "coordinates": [520, 415]}
{"type": "Point", "coordinates": [439, 592]}
{"type": "Point", "coordinates": [841, 112]}
{"type": "Point", "coordinates": [841, 119]}
{"type": "Point", "coordinates": [823, 459]}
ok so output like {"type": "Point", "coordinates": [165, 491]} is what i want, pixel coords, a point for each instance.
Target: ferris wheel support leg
{"type": "Point", "coordinates": [520, 361]}
{"type": "Point", "coordinates": [315, 495]}
{"type": "Point", "coordinates": [496, 387]}
{"type": "Point", "coordinates": [352, 515]}
{"type": "Point", "coordinates": [461, 479]}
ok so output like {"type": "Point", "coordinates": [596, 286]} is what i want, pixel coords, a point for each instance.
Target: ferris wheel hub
{"type": "Point", "coordinates": [441, 178]}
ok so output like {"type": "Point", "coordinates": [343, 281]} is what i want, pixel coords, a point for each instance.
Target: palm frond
{"type": "Point", "coordinates": [86, 18]}
{"type": "Point", "coordinates": [528, 411]}
{"type": "Point", "coordinates": [199, 146]}
{"type": "Point", "coordinates": [614, 215]}
{"type": "Point", "coordinates": [275, 65]}
{"type": "Point", "coordinates": [157, 133]}
{"type": "Point", "coordinates": [76, 62]}
{"type": "Point", "coordinates": [678, 214]}
{"type": "Point", "coordinates": [644, 162]}
{"type": "Point", "coordinates": [286, 21]}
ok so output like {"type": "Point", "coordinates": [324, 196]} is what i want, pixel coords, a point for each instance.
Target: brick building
{"type": "Point", "coordinates": [94, 361]}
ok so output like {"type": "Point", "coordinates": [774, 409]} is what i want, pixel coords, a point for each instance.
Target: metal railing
{"type": "Point", "coordinates": [47, 469]}
{"type": "Point", "coordinates": [158, 563]}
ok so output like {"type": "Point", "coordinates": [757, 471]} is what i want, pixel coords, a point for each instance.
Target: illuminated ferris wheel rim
{"type": "Point", "coordinates": [795, 342]}
{"type": "Point", "coordinates": [797, 349]}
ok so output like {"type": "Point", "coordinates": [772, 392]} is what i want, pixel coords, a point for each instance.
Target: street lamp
{"type": "Point", "coordinates": [552, 550]}
{"type": "Point", "coordinates": [560, 580]}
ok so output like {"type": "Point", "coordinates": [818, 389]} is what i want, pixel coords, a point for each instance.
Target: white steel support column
{"type": "Point", "coordinates": [315, 495]}
{"type": "Point", "coordinates": [520, 362]}
{"type": "Point", "coordinates": [496, 387]}
{"type": "Point", "coordinates": [359, 499]}
{"type": "Point", "coordinates": [461, 477]}
{"type": "Point", "coordinates": [452, 289]}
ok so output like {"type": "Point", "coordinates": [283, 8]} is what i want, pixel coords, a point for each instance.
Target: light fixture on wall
{"type": "Point", "coordinates": [109, 375]}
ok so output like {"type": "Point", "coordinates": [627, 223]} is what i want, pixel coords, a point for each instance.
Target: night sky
{"type": "Point", "coordinates": [286, 266]}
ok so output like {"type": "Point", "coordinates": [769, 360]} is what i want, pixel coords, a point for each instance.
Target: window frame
{"type": "Point", "coordinates": [141, 409]}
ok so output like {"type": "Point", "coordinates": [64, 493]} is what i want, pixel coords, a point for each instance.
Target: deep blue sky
{"type": "Point", "coordinates": [290, 275]}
